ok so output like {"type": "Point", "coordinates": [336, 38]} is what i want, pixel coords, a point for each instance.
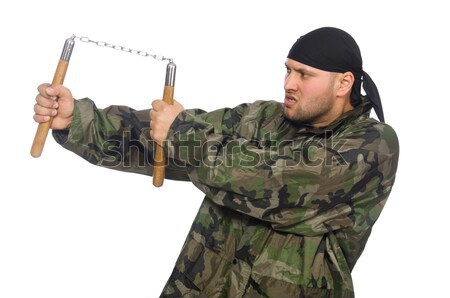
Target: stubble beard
{"type": "Point", "coordinates": [311, 113]}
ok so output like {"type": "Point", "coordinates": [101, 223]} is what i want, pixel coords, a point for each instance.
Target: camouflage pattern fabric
{"type": "Point", "coordinates": [288, 208]}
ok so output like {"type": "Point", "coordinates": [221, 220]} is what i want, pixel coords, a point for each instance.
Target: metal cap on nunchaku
{"type": "Point", "coordinates": [160, 156]}
{"type": "Point", "coordinates": [58, 79]}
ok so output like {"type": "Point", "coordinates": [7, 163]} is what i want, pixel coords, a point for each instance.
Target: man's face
{"type": "Point", "coordinates": [309, 94]}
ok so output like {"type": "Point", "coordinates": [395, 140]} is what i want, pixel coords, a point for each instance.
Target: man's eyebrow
{"type": "Point", "coordinates": [298, 69]}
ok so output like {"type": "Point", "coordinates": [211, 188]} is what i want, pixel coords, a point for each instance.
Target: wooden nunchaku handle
{"type": "Point", "coordinates": [58, 78]}
{"type": "Point", "coordinates": [159, 167]}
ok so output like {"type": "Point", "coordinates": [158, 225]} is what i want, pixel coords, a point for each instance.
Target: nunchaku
{"type": "Point", "coordinates": [58, 79]}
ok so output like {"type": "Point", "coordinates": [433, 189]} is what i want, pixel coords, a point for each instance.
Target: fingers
{"type": "Point", "coordinates": [41, 88]}
{"type": "Point", "coordinates": [40, 118]}
{"type": "Point", "coordinates": [53, 91]}
{"type": "Point", "coordinates": [43, 114]}
{"type": "Point", "coordinates": [46, 105]}
{"type": "Point", "coordinates": [49, 109]}
{"type": "Point", "coordinates": [157, 115]}
{"type": "Point", "coordinates": [162, 116]}
{"type": "Point", "coordinates": [46, 102]}
{"type": "Point", "coordinates": [158, 105]}
{"type": "Point", "coordinates": [158, 136]}
{"type": "Point", "coordinates": [157, 112]}
{"type": "Point", "coordinates": [47, 91]}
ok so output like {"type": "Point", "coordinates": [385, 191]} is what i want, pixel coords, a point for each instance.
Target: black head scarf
{"type": "Point", "coordinates": [334, 50]}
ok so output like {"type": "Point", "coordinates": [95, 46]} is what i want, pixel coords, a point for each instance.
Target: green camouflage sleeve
{"type": "Point", "coordinates": [116, 137]}
{"type": "Point", "coordinates": [306, 186]}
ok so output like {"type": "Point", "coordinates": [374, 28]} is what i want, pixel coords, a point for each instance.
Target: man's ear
{"type": "Point", "coordinates": [346, 81]}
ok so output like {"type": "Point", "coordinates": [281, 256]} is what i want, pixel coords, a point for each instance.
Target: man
{"type": "Point", "coordinates": [292, 189]}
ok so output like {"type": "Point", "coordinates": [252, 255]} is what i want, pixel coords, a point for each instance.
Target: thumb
{"type": "Point", "coordinates": [51, 92]}
{"type": "Point", "coordinates": [55, 91]}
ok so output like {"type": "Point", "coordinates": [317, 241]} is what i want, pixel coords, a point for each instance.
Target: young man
{"type": "Point", "coordinates": [292, 189]}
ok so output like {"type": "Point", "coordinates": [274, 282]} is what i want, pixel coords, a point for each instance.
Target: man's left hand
{"type": "Point", "coordinates": [162, 116]}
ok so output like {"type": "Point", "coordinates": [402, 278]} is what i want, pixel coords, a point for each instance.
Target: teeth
{"type": "Point", "coordinates": [290, 98]}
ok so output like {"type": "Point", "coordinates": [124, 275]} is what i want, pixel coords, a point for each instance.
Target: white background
{"type": "Point", "coordinates": [70, 229]}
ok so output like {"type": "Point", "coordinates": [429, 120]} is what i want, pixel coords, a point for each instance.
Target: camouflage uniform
{"type": "Point", "coordinates": [288, 208]}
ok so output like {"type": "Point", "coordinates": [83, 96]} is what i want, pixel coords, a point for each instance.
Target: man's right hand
{"type": "Point", "coordinates": [54, 101]}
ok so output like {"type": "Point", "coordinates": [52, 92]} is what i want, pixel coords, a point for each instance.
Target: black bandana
{"type": "Point", "coordinates": [334, 50]}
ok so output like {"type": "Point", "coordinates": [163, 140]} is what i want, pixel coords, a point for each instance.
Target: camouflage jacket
{"type": "Point", "coordinates": [288, 208]}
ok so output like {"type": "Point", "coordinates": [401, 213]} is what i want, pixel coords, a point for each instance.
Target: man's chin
{"type": "Point", "coordinates": [290, 115]}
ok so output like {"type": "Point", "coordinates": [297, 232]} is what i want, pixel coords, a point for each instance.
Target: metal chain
{"type": "Point", "coordinates": [121, 48]}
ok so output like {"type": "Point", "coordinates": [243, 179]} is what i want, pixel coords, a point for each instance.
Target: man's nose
{"type": "Point", "coordinates": [290, 83]}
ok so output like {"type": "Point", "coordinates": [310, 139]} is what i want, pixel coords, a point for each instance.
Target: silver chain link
{"type": "Point", "coordinates": [121, 48]}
